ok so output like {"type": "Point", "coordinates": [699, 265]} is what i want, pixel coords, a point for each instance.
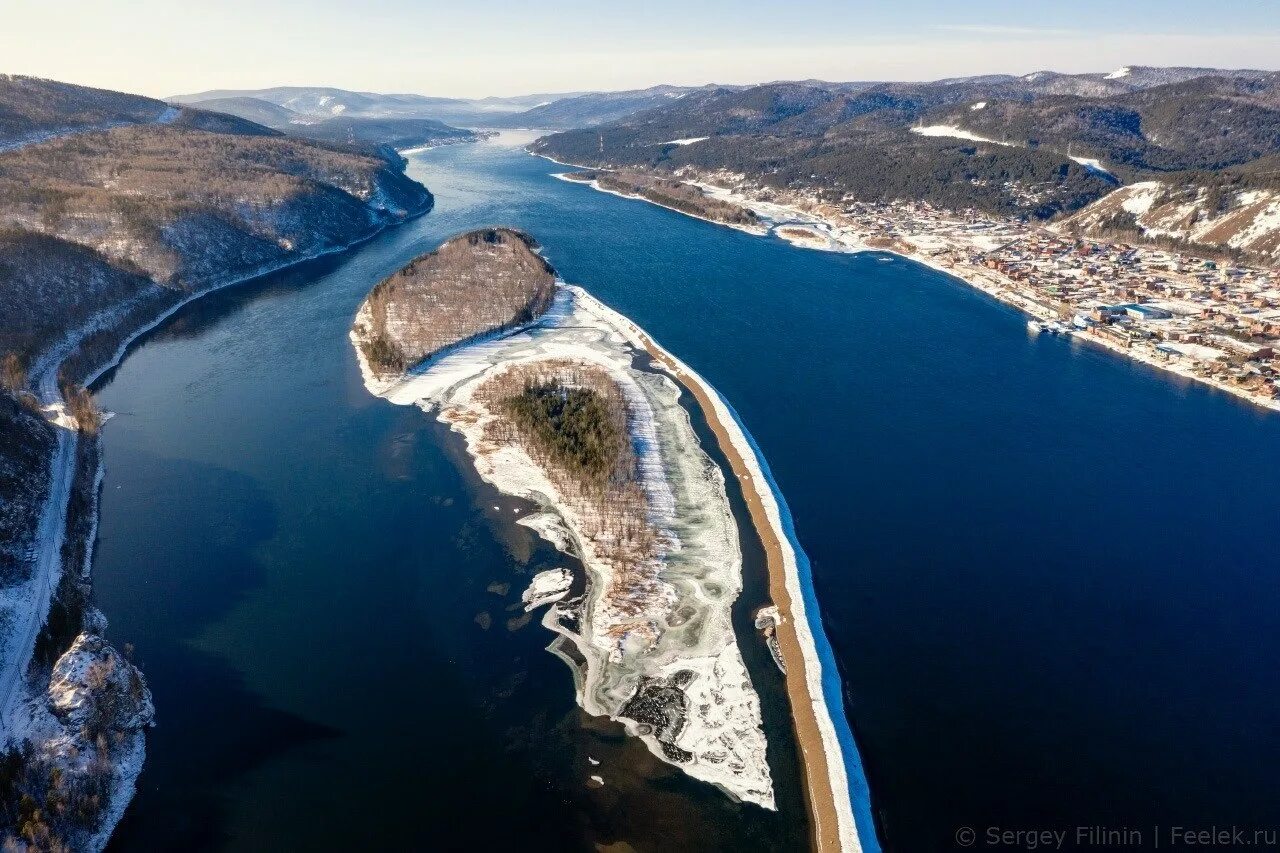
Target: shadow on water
{"type": "Point", "coordinates": [189, 811]}
{"type": "Point", "coordinates": [223, 521]}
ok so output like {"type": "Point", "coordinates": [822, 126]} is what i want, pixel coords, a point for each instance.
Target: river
{"type": "Point", "coordinates": [1046, 572]}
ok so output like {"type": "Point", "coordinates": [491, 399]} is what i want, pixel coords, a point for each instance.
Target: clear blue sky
{"type": "Point", "coordinates": [468, 48]}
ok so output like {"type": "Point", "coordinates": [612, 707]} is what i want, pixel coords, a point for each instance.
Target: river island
{"type": "Point", "coordinates": [566, 403]}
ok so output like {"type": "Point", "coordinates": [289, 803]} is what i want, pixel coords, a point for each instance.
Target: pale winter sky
{"type": "Point", "coordinates": [502, 47]}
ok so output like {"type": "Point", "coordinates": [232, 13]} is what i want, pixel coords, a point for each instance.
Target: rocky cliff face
{"type": "Point", "coordinates": [476, 283]}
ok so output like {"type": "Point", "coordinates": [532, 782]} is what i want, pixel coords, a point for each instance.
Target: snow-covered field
{"type": "Point", "coordinates": [1094, 165]}
{"type": "Point", "coordinates": [952, 132]}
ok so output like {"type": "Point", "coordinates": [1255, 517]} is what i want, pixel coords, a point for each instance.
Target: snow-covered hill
{"type": "Point", "coordinates": [1246, 220]}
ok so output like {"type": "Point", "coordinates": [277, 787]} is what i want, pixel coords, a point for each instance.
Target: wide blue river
{"type": "Point", "coordinates": [1049, 575]}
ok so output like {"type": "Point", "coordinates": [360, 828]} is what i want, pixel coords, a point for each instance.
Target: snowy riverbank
{"type": "Point", "coordinates": [839, 796]}
{"type": "Point", "coordinates": [29, 712]}
{"type": "Point", "coordinates": [806, 229]}
{"type": "Point", "coordinates": [758, 231]}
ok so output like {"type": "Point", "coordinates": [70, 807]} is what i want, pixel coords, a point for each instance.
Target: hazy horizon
{"type": "Point", "coordinates": [436, 48]}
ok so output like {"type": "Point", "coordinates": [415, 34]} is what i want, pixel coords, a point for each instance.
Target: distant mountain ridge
{"type": "Point", "coordinates": [381, 136]}
{"type": "Point", "coordinates": [569, 110]}
{"type": "Point", "coordinates": [596, 108]}
{"type": "Point", "coordinates": [557, 110]}
{"type": "Point", "coordinates": [324, 102]}
{"type": "Point", "coordinates": [262, 111]}
{"type": "Point", "coordinates": [33, 109]}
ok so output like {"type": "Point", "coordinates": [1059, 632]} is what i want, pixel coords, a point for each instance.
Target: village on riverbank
{"type": "Point", "coordinates": [1213, 320]}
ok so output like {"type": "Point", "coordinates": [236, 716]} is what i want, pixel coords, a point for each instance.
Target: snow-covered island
{"type": "Point", "coordinates": [560, 403]}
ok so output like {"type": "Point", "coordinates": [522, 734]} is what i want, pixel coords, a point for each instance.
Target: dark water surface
{"type": "Point", "coordinates": [1049, 575]}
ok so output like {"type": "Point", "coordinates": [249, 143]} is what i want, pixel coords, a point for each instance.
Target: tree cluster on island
{"type": "Point", "coordinates": [478, 283]}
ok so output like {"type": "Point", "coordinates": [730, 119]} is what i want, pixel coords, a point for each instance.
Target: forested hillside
{"type": "Point", "coordinates": [836, 143]}
{"type": "Point", "coordinates": [1206, 123]}
{"type": "Point", "coordinates": [33, 110]}
{"type": "Point", "coordinates": [114, 210]}
{"type": "Point", "coordinates": [1036, 146]}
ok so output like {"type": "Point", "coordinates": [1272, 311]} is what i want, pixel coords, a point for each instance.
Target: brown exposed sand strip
{"type": "Point", "coordinates": [817, 780]}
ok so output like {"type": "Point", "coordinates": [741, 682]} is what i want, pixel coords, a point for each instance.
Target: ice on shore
{"type": "Point", "coordinates": [547, 587]}
{"type": "Point", "coordinates": [666, 663]}
{"type": "Point", "coordinates": [91, 686]}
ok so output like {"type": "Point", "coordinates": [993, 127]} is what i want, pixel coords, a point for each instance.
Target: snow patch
{"type": "Point", "coordinates": [953, 132]}
{"type": "Point", "coordinates": [1138, 198]}
{"type": "Point", "coordinates": [1094, 165]}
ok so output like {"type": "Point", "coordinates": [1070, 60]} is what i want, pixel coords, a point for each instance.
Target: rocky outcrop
{"type": "Point", "coordinates": [67, 784]}
{"type": "Point", "coordinates": [94, 688]}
